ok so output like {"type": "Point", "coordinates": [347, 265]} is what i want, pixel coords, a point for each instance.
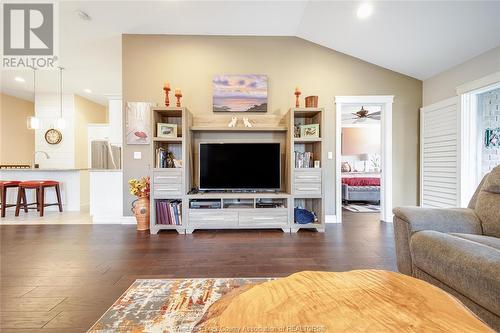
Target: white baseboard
{"type": "Point", "coordinates": [128, 220]}
{"type": "Point", "coordinates": [331, 219]}
{"type": "Point", "coordinates": [113, 219]}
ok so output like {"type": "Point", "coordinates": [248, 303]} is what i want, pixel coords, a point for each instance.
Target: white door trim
{"type": "Point", "coordinates": [481, 83]}
{"type": "Point", "coordinates": [386, 156]}
{"type": "Point", "coordinates": [470, 138]}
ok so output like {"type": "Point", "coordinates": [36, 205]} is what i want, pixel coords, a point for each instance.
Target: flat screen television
{"type": "Point", "coordinates": [239, 166]}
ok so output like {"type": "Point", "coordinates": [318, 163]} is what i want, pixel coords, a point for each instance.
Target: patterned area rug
{"type": "Point", "coordinates": [172, 306]}
{"type": "Point", "coordinates": [362, 208]}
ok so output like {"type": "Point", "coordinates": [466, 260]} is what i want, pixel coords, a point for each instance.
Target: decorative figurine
{"type": "Point", "coordinates": [247, 122]}
{"type": "Point", "coordinates": [233, 122]}
{"type": "Point", "coordinates": [170, 159]}
{"type": "Point", "coordinates": [166, 87]}
{"type": "Point", "coordinates": [297, 94]}
{"type": "Point", "coordinates": [178, 95]}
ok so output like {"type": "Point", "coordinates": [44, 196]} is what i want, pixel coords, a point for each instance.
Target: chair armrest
{"type": "Point", "coordinates": [408, 220]}
{"type": "Point", "coordinates": [461, 220]}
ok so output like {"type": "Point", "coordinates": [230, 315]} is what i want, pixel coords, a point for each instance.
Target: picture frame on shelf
{"type": "Point", "coordinates": [309, 131]}
{"type": "Point", "coordinates": [164, 130]}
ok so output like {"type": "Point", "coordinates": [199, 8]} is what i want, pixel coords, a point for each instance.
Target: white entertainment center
{"type": "Point", "coordinates": [300, 187]}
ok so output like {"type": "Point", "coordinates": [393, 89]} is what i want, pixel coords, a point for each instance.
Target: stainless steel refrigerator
{"type": "Point", "coordinates": [104, 155]}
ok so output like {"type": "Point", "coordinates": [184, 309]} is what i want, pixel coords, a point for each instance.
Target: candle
{"type": "Point", "coordinates": [297, 89]}
{"type": "Point", "coordinates": [167, 85]}
{"type": "Point", "coordinates": [178, 91]}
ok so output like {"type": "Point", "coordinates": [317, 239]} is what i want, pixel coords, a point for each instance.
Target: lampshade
{"type": "Point", "coordinates": [33, 123]}
{"type": "Point", "coordinates": [364, 157]}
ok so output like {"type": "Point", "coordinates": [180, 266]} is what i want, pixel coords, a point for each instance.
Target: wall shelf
{"type": "Point", "coordinates": [300, 187]}
{"type": "Point", "coordinates": [178, 139]}
{"type": "Point", "coordinates": [239, 129]}
{"type": "Point", "coordinates": [306, 140]}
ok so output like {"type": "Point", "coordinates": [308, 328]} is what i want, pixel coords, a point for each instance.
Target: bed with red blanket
{"type": "Point", "coordinates": [364, 189]}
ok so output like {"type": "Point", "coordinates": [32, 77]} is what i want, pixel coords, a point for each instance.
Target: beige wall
{"type": "Point", "coordinates": [361, 140]}
{"type": "Point", "coordinates": [443, 85]}
{"type": "Point", "coordinates": [86, 112]}
{"type": "Point", "coordinates": [17, 142]}
{"type": "Point", "coordinates": [189, 62]}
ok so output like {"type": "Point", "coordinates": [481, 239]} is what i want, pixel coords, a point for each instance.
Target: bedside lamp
{"type": "Point", "coordinates": [364, 158]}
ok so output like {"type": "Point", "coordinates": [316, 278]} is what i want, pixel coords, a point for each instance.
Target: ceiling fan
{"type": "Point", "coordinates": [363, 114]}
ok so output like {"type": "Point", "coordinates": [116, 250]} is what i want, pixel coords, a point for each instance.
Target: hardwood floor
{"type": "Point", "coordinates": [62, 278]}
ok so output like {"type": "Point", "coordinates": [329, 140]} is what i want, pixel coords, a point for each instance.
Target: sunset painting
{"type": "Point", "coordinates": [240, 93]}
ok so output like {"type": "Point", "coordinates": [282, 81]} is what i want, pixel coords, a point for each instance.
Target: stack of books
{"type": "Point", "coordinates": [304, 160]}
{"type": "Point", "coordinates": [169, 212]}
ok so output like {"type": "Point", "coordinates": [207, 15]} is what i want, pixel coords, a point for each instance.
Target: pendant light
{"type": "Point", "coordinates": [33, 122]}
{"type": "Point", "coordinates": [60, 123]}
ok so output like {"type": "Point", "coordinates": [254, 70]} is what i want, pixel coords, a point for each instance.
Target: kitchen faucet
{"type": "Point", "coordinates": [34, 157]}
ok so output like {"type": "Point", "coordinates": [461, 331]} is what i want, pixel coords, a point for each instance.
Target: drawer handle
{"type": "Point", "coordinates": [263, 218]}
{"type": "Point", "coordinates": [212, 218]}
{"type": "Point", "coordinates": [167, 189]}
{"type": "Point", "coordinates": [308, 177]}
{"type": "Point", "coordinates": [307, 188]}
{"type": "Point", "coordinates": [166, 177]}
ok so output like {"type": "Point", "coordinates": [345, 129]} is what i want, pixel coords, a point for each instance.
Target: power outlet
{"type": "Point", "coordinates": [137, 155]}
{"type": "Point", "coordinates": [330, 155]}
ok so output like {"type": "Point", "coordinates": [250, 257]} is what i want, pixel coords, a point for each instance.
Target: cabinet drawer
{"type": "Point", "coordinates": [213, 218]}
{"type": "Point", "coordinates": [264, 217]}
{"type": "Point", "coordinates": [307, 176]}
{"type": "Point", "coordinates": [167, 190]}
{"type": "Point", "coordinates": [312, 188]}
{"type": "Point", "coordinates": [169, 176]}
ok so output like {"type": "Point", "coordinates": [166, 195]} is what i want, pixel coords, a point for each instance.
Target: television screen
{"type": "Point", "coordinates": [245, 166]}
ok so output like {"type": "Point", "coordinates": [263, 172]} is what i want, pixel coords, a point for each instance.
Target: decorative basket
{"type": "Point", "coordinates": [141, 211]}
{"type": "Point", "coordinates": [311, 101]}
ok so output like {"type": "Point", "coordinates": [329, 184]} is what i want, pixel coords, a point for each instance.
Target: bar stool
{"type": "Point", "coordinates": [4, 185]}
{"type": "Point", "coordinates": [39, 186]}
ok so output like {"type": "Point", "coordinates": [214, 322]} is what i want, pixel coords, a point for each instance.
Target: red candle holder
{"type": "Point", "coordinates": [178, 95]}
{"type": "Point", "coordinates": [167, 91]}
{"type": "Point", "coordinates": [297, 102]}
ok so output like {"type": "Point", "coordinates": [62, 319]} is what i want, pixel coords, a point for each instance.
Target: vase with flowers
{"type": "Point", "coordinates": [140, 207]}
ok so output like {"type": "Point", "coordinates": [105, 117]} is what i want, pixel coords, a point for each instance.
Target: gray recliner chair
{"type": "Point", "coordinates": [457, 249]}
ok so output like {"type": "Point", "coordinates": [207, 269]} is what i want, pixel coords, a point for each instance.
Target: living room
{"type": "Point", "coordinates": [190, 170]}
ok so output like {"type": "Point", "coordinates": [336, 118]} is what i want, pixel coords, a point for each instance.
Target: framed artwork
{"type": "Point", "coordinates": [138, 128]}
{"type": "Point", "coordinates": [309, 131]}
{"type": "Point", "coordinates": [164, 130]}
{"type": "Point", "coordinates": [492, 137]}
{"type": "Point", "coordinates": [240, 93]}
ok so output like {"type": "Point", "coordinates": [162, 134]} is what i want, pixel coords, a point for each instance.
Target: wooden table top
{"type": "Point", "coordinates": [355, 301]}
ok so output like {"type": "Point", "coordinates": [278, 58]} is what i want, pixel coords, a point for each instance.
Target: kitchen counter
{"type": "Point", "coordinates": [73, 184]}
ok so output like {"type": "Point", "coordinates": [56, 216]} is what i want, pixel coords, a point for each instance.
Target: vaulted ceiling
{"type": "Point", "coordinates": [419, 39]}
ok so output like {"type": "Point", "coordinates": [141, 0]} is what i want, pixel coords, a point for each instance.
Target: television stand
{"type": "Point", "coordinates": [243, 210]}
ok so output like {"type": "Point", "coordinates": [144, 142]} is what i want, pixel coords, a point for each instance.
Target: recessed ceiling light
{"type": "Point", "coordinates": [88, 91]}
{"type": "Point", "coordinates": [364, 10]}
{"type": "Point", "coordinates": [19, 79]}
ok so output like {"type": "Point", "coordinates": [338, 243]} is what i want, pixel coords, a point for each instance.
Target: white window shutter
{"type": "Point", "coordinates": [440, 155]}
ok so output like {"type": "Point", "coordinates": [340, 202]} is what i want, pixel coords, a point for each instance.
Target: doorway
{"type": "Point", "coordinates": [363, 166]}
{"type": "Point", "coordinates": [479, 133]}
